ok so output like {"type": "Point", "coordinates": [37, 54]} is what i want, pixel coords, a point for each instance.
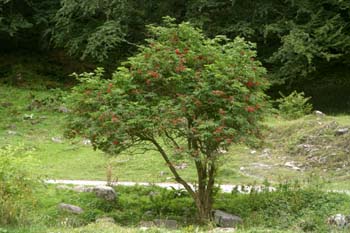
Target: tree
{"type": "Point", "coordinates": [294, 37]}
{"type": "Point", "coordinates": [183, 95]}
{"type": "Point", "coordinates": [13, 16]}
{"type": "Point", "coordinates": [89, 29]}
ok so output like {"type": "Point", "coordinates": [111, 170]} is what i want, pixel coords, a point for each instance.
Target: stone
{"type": "Point", "coordinates": [105, 192]}
{"type": "Point", "coordinates": [181, 166]}
{"type": "Point", "coordinates": [253, 152]}
{"type": "Point", "coordinates": [224, 219]}
{"type": "Point", "coordinates": [105, 220]}
{"type": "Point", "coordinates": [63, 109]}
{"type": "Point", "coordinates": [222, 229]}
{"type": "Point", "coordinates": [86, 142]}
{"type": "Point", "coordinates": [166, 223]}
{"type": "Point", "coordinates": [162, 173]}
{"type": "Point", "coordinates": [222, 151]}
{"type": "Point", "coordinates": [339, 220]}
{"type": "Point", "coordinates": [11, 132]}
{"type": "Point", "coordinates": [56, 139]}
{"type": "Point", "coordinates": [70, 208]}
{"type": "Point", "coordinates": [341, 131]}
{"type": "Point", "coordinates": [292, 166]}
{"type": "Point", "coordinates": [28, 116]}
{"type": "Point", "coordinates": [319, 113]}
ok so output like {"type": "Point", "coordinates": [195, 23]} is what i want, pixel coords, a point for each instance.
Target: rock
{"type": "Point", "coordinates": [222, 229]}
{"type": "Point", "coordinates": [56, 139]}
{"type": "Point", "coordinates": [222, 151]}
{"type": "Point", "coordinates": [292, 166]}
{"type": "Point", "coordinates": [86, 141]}
{"type": "Point", "coordinates": [306, 147]}
{"type": "Point", "coordinates": [71, 208]}
{"type": "Point", "coordinates": [63, 109]}
{"type": "Point", "coordinates": [339, 220]}
{"type": "Point", "coordinates": [105, 220]}
{"type": "Point", "coordinates": [28, 116]}
{"type": "Point", "coordinates": [11, 132]}
{"type": "Point", "coordinates": [166, 223]}
{"type": "Point", "coordinates": [266, 152]}
{"type": "Point", "coordinates": [105, 192]}
{"type": "Point", "coordinates": [181, 166]}
{"type": "Point", "coordinates": [341, 131]}
{"type": "Point", "coordinates": [253, 152]}
{"type": "Point", "coordinates": [224, 219]}
{"type": "Point", "coordinates": [162, 173]}
{"type": "Point", "coordinates": [319, 113]}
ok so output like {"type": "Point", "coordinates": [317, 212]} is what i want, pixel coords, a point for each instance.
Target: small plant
{"type": "Point", "coordinates": [294, 105]}
{"type": "Point", "coordinates": [16, 185]}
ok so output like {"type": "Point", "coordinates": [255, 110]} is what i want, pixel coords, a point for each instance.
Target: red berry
{"type": "Point", "coordinates": [250, 109]}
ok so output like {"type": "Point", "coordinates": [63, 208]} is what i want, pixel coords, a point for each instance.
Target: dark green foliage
{"type": "Point", "coordinates": [89, 28]}
{"type": "Point", "coordinates": [294, 37]}
{"type": "Point", "coordinates": [13, 16]}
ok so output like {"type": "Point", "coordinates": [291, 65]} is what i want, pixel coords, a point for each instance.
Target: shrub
{"type": "Point", "coordinates": [290, 207]}
{"type": "Point", "coordinates": [294, 105]}
{"type": "Point", "coordinates": [16, 185]}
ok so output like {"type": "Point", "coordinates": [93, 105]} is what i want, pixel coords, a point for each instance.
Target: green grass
{"type": "Point", "coordinates": [290, 209]}
{"type": "Point", "coordinates": [74, 160]}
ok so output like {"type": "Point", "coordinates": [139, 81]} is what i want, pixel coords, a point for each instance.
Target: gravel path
{"type": "Point", "coordinates": [227, 188]}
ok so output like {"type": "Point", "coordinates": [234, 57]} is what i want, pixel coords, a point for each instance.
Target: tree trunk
{"type": "Point", "coordinates": [204, 194]}
{"type": "Point", "coordinates": [204, 208]}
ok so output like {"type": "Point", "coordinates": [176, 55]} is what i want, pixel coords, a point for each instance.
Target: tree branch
{"type": "Point", "coordinates": [172, 168]}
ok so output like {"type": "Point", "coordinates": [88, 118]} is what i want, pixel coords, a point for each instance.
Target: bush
{"type": "Point", "coordinates": [294, 105]}
{"type": "Point", "coordinates": [290, 207]}
{"type": "Point", "coordinates": [16, 185]}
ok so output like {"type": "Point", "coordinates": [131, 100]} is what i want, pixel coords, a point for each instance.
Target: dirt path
{"type": "Point", "coordinates": [227, 188]}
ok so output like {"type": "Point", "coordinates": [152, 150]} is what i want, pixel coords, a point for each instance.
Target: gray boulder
{"type": "Point", "coordinates": [70, 208]}
{"type": "Point", "coordinates": [341, 131]}
{"type": "Point", "coordinates": [105, 192]}
{"type": "Point", "coordinates": [224, 219]}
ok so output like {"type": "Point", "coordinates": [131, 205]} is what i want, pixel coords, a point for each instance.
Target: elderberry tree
{"type": "Point", "coordinates": [183, 94]}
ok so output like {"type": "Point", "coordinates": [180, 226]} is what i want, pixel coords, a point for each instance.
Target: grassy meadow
{"type": "Point", "coordinates": [303, 158]}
